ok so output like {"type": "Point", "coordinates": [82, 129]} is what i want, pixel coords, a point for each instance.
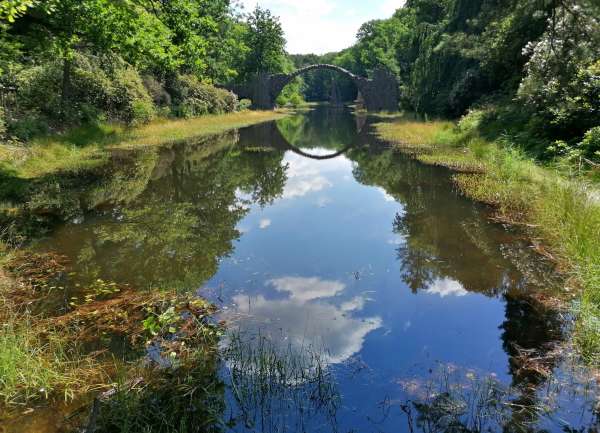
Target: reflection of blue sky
{"type": "Point", "coordinates": [326, 273]}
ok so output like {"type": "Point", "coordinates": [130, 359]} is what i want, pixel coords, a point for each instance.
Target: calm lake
{"type": "Point", "coordinates": [359, 290]}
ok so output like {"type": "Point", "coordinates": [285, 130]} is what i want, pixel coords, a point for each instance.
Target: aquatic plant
{"type": "Point", "coordinates": [278, 388]}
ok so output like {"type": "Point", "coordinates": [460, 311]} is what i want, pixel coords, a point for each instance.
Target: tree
{"type": "Point", "coordinates": [266, 41]}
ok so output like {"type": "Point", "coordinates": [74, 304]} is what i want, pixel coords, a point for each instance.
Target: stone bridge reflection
{"type": "Point", "coordinates": [269, 135]}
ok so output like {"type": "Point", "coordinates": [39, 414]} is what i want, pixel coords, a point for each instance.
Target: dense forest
{"type": "Point", "coordinates": [72, 62]}
{"type": "Point", "coordinates": [531, 67]}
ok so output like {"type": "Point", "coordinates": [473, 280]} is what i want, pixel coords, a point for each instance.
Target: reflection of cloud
{"type": "Point", "coordinates": [323, 201]}
{"type": "Point", "coordinates": [305, 325]}
{"type": "Point", "coordinates": [300, 186]}
{"type": "Point", "coordinates": [446, 287]}
{"type": "Point", "coordinates": [307, 289]}
{"type": "Point", "coordinates": [386, 196]}
{"type": "Point", "coordinates": [306, 175]}
{"type": "Point", "coordinates": [264, 223]}
{"type": "Point", "coordinates": [355, 304]}
{"type": "Point", "coordinates": [396, 240]}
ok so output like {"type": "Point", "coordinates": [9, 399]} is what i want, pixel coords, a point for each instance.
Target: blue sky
{"type": "Point", "coordinates": [320, 26]}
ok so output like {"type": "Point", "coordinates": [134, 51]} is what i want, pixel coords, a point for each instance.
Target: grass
{"type": "Point", "coordinates": [84, 148]}
{"type": "Point", "coordinates": [35, 365]}
{"type": "Point", "coordinates": [564, 211]}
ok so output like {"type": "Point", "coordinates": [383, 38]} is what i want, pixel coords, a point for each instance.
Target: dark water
{"type": "Point", "coordinates": [361, 291]}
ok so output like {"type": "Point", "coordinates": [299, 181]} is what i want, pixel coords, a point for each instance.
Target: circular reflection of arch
{"type": "Point", "coordinates": [300, 152]}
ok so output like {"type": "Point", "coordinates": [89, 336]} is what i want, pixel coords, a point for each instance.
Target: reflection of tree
{"type": "Point", "coordinates": [444, 236]}
{"type": "Point", "coordinates": [323, 127]}
{"type": "Point", "coordinates": [182, 220]}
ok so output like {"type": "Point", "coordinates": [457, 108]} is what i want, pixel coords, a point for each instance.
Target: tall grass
{"type": "Point", "coordinates": [32, 367]}
{"type": "Point", "coordinates": [562, 210]}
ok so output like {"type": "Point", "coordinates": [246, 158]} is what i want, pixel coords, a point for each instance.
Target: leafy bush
{"type": "Point", "coordinates": [245, 104]}
{"type": "Point", "coordinates": [159, 95]}
{"type": "Point", "coordinates": [129, 100]}
{"type": "Point", "coordinates": [590, 145]}
{"type": "Point", "coordinates": [193, 98]}
{"type": "Point", "coordinates": [97, 87]}
{"type": "Point", "coordinates": [562, 82]}
{"type": "Point", "coordinates": [30, 125]}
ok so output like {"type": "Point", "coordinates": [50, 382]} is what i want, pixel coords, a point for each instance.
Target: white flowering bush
{"type": "Point", "coordinates": [562, 81]}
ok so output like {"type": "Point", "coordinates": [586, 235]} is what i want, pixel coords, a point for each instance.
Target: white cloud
{"type": "Point", "coordinates": [306, 289]}
{"type": "Point", "coordinates": [264, 223]}
{"type": "Point", "coordinates": [320, 26]}
{"type": "Point", "coordinates": [446, 287]}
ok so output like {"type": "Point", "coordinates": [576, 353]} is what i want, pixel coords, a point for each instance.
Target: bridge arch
{"type": "Point", "coordinates": [279, 81]}
{"type": "Point", "coordinates": [380, 93]}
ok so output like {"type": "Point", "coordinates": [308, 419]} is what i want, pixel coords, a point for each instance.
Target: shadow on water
{"type": "Point", "coordinates": [361, 291]}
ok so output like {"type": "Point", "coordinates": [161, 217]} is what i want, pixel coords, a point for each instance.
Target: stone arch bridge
{"type": "Point", "coordinates": [379, 93]}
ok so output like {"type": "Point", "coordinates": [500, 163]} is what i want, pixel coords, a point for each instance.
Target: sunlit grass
{"type": "Point", "coordinates": [413, 134]}
{"type": "Point", "coordinates": [31, 368]}
{"type": "Point", "coordinates": [565, 212]}
{"type": "Point", "coordinates": [168, 131]}
{"type": "Point", "coordinates": [84, 148]}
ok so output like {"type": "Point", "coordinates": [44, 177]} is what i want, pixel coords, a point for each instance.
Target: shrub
{"type": "Point", "coordinates": [98, 87]}
{"type": "Point", "coordinates": [193, 98]}
{"type": "Point", "coordinates": [590, 145]}
{"type": "Point", "coordinates": [159, 95]}
{"type": "Point", "coordinates": [245, 104]}
{"type": "Point", "coordinates": [129, 99]}
{"type": "Point", "coordinates": [30, 125]}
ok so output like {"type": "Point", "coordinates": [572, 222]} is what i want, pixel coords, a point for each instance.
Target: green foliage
{"type": "Point", "coordinates": [590, 144]}
{"type": "Point", "coordinates": [80, 61]}
{"type": "Point", "coordinates": [193, 98]}
{"type": "Point", "coordinates": [534, 65]}
{"type": "Point", "coordinates": [562, 84]}
{"type": "Point", "coordinates": [265, 38]}
{"type": "Point", "coordinates": [2, 124]}
{"type": "Point", "coordinates": [12, 9]}
{"type": "Point", "coordinates": [97, 86]}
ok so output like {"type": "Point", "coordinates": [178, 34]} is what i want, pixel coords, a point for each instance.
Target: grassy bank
{"type": "Point", "coordinates": [559, 209]}
{"type": "Point", "coordinates": [85, 147]}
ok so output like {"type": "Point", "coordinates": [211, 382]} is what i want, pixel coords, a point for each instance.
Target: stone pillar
{"type": "Point", "coordinates": [381, 92]}
{"type": "Point", "coordinates": [261, 92]}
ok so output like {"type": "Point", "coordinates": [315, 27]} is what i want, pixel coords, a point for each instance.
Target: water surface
{"type": "Point", "coordinates": [361, 292]}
